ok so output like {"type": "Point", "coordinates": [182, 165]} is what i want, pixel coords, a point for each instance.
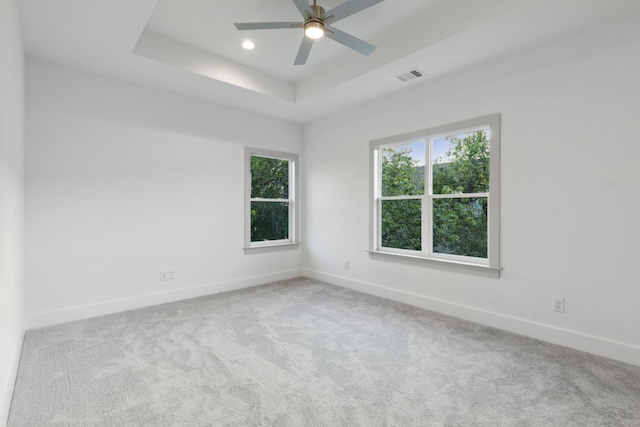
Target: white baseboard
{"type": "Point", "coordinates": [70, 314]}
{"type": "Point", "coordinates": [11, 381]}
{"type": "Point", "coordinates": [575, 340]}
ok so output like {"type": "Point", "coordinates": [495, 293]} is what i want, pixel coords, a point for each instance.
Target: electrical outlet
{"type": "Point", "coordinates": [346, 264]}
{"type": "Point", "coordinates": [558, 304]}
{"type": "Point", "coordinates": [172, 274]}
{"type": "Point", "coordinates": [164, 275]}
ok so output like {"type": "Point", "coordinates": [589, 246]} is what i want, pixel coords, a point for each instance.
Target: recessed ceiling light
{"type": "Point", "coordinates": [247, 44]}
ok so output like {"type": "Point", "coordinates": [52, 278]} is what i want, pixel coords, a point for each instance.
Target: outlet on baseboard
{"type": "Point", "coordinates": [172, 274]}
{"type": "Point", "coordinates": [557, 304]}
{"type": "Point", "coordinates": [164, 275]}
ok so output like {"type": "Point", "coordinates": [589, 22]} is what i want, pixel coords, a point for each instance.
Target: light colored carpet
{"type": "Point", "coordinates": [306, 353]}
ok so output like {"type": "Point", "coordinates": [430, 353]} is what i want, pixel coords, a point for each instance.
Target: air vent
{"type": "Point", "coordinates": [409, 75]}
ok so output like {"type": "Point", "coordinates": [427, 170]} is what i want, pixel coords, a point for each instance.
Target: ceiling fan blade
{"type": "Point", "coordinates": [349, 41]}
{"type": "Point", "coordinates": [303, 52]}
{"type": "Point", "coordinates": [267, 25]}
{"type": "Point", "coordinates": [348, 8]}
{"type": "Point", "coordinates": [304, 8]}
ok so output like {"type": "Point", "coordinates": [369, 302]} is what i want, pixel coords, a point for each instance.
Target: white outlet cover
{"type": "Point", "coordinates": [558, 305]}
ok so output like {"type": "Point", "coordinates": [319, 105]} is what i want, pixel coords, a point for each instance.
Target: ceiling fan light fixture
{"type": "Point", "coordinates": [314, 30]}
{"type": "Point", "coordinates": [315, 25]}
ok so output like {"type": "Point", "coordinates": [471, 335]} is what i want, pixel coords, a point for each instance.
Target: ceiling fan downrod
{"type": "Point", "coordinates": [317, 10]}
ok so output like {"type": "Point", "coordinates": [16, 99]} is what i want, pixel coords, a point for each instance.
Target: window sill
{"type": "Point", "coordinates": [443, 263]}
{"type": "Point", "coordinates": [271, 248]}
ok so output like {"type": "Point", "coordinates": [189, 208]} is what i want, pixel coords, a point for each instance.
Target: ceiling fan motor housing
{"type": "Point", "coordinates": [314, 27]}
{"type": "Point", "coordinates": [318, 11]}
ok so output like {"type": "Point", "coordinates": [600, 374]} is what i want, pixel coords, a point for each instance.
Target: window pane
{"type": "Point", "coordinates": [403, 169]}
{"type": "Point", "coordinates": [460, 226]}
{"type": "Point", "coordinates": [461, 163]}
{"type": "Point", "coordinates": [269, 221]}
{"type": "Point", "coordinates": [269, 178]}
{"type": "Point", "coordinates": [402, 224]}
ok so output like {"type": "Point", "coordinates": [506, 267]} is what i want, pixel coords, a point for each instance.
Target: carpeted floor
{"type": "Point", "coordinates": [306, 353]}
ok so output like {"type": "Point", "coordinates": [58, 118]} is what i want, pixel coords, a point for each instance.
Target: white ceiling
{"type": "Point", "coordinates": [192, 47]}
{"type": "Point", "coordinates": [200, 23]}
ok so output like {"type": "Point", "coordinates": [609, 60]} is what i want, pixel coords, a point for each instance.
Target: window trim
{"type": "Point", "coordinates": [266, 246]}
{"type": "Point", "coordinates": [492, 263]}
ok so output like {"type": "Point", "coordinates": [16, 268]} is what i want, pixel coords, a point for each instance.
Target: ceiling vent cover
{"type": "Point", "coordinates": [409, 75]}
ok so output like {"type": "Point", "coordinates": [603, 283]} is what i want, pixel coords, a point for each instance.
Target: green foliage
{"type": "Point", "coordinates": [459, 224]}
{"type": "Point", "coordinates": [401, 219]}
{"type": "Point", "coordinates": [269, 180]}
{"type": "Point", "coordinates": [269, 221]}
{"type": "Point", "coordinates": [465, 167]}
{"type": "Point", "coordinates": [400, 174]}
{"type": "Point", "coordinates": [402, 224]}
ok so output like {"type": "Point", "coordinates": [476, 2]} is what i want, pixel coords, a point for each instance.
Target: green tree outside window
{"type": "Point", "coordinates": [270, 186]}
{"type": "Point", "coordinates": [459, 222]}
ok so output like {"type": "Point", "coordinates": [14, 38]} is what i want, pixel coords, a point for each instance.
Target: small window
{"type": "Point", "coordinates": [271, 209]}
{"type": "Point", "coordinates": [435, 193]}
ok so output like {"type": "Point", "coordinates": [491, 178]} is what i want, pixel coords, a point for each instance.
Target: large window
{"type": "Point", "coordinates": [271, 209]}
{"type": "Point", "coordinates": [435, 193]}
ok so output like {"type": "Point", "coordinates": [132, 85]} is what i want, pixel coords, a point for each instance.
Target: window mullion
{"type": "Point", "coordinates": [460, 195]}
{"type": "Point", "coordinates": [427, 215]}
{"type": "Point", "coordinates": [426, 229]}
{"type": "Point", "coordinates": [292, 232]}
{"type": "Point", "coordinates": [378, 235]}
{"type": "Point", "coordinates": [261, 199]}
{"type": "Point", "coordinates": [402, 197]}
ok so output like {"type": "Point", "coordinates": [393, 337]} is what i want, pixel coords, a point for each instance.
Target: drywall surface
{"type": "Point", "coordinates": [123, 182]}
{"type": "Point", "coordinates": [11, 199]}
{"type": "Point", "coordinates": [569, 206]}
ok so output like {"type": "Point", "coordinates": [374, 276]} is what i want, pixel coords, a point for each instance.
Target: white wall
{"type": "Point", "coordinates": [569, 177]}
{"type": "Point", "coordinates": [123, 181]}
{"type": "Point", "coordinates": [11, 199]}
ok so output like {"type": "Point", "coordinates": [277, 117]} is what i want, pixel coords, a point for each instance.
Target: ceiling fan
{"type": "Point", "coordinates": [317, 23]}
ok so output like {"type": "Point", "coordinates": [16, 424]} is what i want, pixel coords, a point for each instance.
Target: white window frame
{"type": "Point", "coordinates": [292, 241]}
{"type": "Point", "coordinates": [492, 262]}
